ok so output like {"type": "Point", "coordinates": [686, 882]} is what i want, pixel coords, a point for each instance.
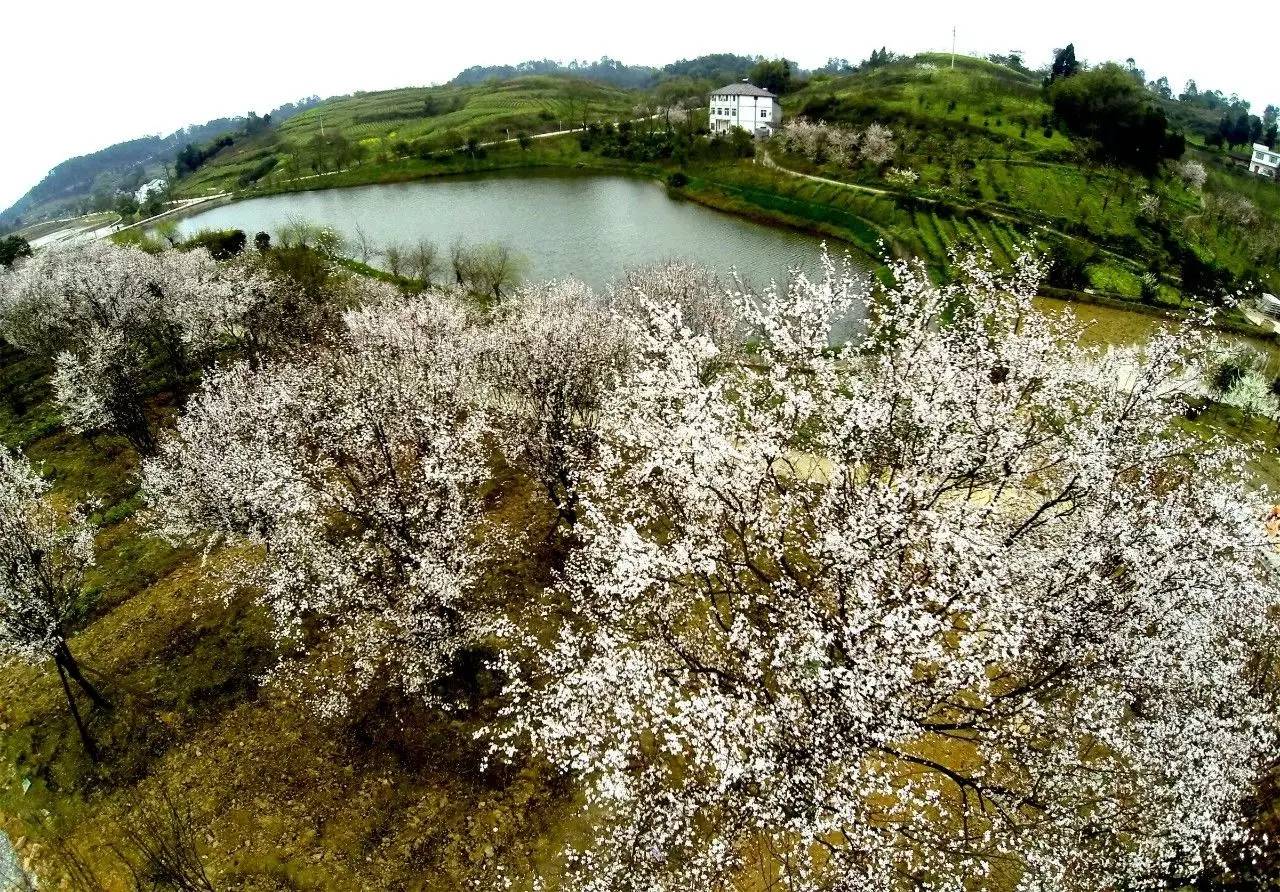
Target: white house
{"type": "Point", "coordinates": [747, 106]}
{"type": "Point", "coordinates": [1265, 162]}
{"type": "Point", "coordinates": [147, 188]}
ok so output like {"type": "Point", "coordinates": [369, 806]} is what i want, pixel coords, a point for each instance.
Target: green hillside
{"type": "Point", "coordinates": [92, 182]}
{"type": "Point", "coordinates": [978, 159]}
{"type": "Point", "coordinates": [981, 140]}
{"type": "Point", "coordinates": [375, 128]}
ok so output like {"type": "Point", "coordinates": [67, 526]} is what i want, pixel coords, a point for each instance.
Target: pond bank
{"type": "Point", "coordinates": [589, 225]}
{"type": "Point", "coordinates": [712, 186]}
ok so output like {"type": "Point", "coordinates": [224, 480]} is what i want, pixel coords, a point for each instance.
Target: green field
{"type": "Point", "coordinates": [977, 139]}
{"type": "Point", "coordinates": [392, 125]}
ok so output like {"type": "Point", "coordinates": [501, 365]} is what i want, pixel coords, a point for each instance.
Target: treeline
{"type": "Point", "coordinates": [1192, 109]}
{"type": "Point", "coordinates": [605, 70]}
{"type": "Point", "coordinates": [190, 157]}
{"type": "Point", "coordinates": [717, 67]}
{"type": "Point", "coordinates": [1113, 119]}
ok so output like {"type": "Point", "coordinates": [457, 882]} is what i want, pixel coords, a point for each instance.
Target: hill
{"type": "Point", "coordinates": [380, 126]}
{"type": "Point", "coordinates": [713, 67]}
{"type": "Point", "coordinates": [79, 184]}
{"type": "Point", "coordinates": [605, 70]}
{"type": "Point", "coordinates": [979, 159]}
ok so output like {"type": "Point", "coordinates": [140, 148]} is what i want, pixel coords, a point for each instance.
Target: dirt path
{"type": "Point", "coordinates": [1017, 221]}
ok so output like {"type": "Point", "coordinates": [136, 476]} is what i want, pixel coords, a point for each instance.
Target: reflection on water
{"type": "Point", "coordinates": [587, 227]}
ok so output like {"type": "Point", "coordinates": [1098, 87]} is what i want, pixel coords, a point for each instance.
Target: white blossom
{"type": "Point", "coordinates": [903, 177]}
{"type": "Point", "coordinates": [355, 472]}
{"type": "Point", "coordinates": [876, 145]}
{"type": "Point", "coordinates": [43, 556]}
{"type": "Point", "coordinates": [552, 353]}
{"type": "Point", "coordinates": [1192, 173]}
{"type": "Point", "coordinates": [943, 605]}
{"type": "Point", "coordinates": [102, 310]}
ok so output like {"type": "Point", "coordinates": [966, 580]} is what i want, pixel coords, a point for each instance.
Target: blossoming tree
{"type": "Point", "coordinates": [102, 311]}
{"type": "Point", "coordinates": [553, 351]}
{"type": "Point", "coordinates": [43, 556]}
{"type": "Point", "coordinates": [941, 610]}
{"type": "Point", "coordinates": [354, 473]}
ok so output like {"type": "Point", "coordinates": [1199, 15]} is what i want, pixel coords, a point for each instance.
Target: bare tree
{"type": "Point", "coordinates": [461, 260]}
{"type": "Point", "coordinates": [424, 261]}
{"type": "Point", "coordinates": [495, 267]}
{"type": "Point", "coordinates": [361, 244]}
{"type": "Point", "coordinates": [393, 254]}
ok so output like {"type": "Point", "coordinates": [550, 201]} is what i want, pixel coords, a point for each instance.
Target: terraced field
{"type": "Point", "coordinates": [396, 123]}
{"type": "Point", "coordinates": [979, 138]}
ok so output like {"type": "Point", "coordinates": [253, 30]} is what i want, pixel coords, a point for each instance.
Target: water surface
{"type": "Point", "coordinates": [590, 227]}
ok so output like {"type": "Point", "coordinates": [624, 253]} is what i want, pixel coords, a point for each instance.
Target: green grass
{"type": "Point", "coordinates": [386, 123]}
{"type": "Point", "coordinates": [989, 176]}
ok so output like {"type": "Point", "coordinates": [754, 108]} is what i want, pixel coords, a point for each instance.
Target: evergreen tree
{"type": "Point", "coordinates": [1065, 64]}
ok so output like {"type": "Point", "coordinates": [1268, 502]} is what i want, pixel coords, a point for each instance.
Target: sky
{"type": "Point", "coordinates": [84, 75]}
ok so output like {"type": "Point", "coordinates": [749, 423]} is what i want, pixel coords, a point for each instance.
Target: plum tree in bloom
{"type": "Point", "coordinates": [707, 305]}
{"type": "Point", "coordinates": [102, 310]}
{"type": "Point", "coordinates": [354, 472]}
{"type": "Point", "coordinates": [43, 556]}
{"type": "Point", "coordinates": [552, 354]}
{"type": "Point", "coordinates": [941, 610]}
{"type": "Point", "coordinates": [876, 145]}
{"type": "Point", "coordinates": [1192, 173]}
{"type": "Point", "coordinates": [97, 386]}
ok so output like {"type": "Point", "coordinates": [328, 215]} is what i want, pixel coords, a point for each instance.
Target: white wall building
{"type": "Point", "coordinates": [147, 188]}
{"type": "Point", "coordinates": [747, 106]}
{"type": "Point", "coordinates": [1265, 162]}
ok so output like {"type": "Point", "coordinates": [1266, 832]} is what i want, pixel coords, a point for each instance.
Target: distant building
{"type": "Point", "coordinates": [745, 106]}
{"type": "Point", "coordinates": [1265, 162]}
{"type": "Point", "coordinates": [1269, 304]}
{"type": "Point", "coordinates": [147, 188]}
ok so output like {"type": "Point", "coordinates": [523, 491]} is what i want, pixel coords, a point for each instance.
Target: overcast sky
{"type": "Point", "coordinates": [83, 75]}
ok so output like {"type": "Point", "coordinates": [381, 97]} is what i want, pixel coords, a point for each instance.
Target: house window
{"type": "Point", "coordinates": [764, 112]}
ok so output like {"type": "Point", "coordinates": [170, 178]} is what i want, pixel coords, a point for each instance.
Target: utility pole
{"type": "Point", "coordinates": [953, 47]}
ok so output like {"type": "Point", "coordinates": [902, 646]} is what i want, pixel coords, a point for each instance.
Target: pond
{"type": "Point", "coordinates": [589, 227]}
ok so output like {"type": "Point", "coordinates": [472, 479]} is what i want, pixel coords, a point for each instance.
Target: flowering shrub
{"type": "Point", "coordinates": [1192, 173]}
{"type": "Point", "coordinates": [822, 143]}
{"type": "Point", "coordinates": [903, 178]}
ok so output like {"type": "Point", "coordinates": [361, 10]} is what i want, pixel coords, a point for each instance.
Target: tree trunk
{"type": "Point", "coordinates": [69, 664]}
{"type": "Point", "coordinates": [89, 745]}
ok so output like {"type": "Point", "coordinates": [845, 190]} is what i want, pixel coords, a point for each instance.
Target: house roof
{"type": "Point", "coordinates": [744, 90]}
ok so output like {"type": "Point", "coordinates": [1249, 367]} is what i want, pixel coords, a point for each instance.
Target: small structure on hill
{"type": "Point", "coordinates": [157, 185]}
{"type": "Point", "coordinates": [1269, 305]}
{"type": "Point", "coordinates": [1265, 162]}
{"type": "Point", "coordinates": [746, 107]}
